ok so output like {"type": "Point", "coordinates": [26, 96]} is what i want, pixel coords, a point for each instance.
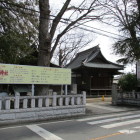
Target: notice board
{"type": "Point", "coordinates": [21, 74]}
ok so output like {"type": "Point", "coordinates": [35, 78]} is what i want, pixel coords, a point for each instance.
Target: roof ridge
{"type": "Point", "coordinates": [95, 47]}
{"type": "Point", "coordinates": [78, 54]}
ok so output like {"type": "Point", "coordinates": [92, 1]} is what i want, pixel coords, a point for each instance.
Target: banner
{"type": "Point", "coordinates": [21, 74]}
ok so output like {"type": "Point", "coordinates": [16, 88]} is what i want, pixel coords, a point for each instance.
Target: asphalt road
{"type": "Point", "coordinates": [102, 122]}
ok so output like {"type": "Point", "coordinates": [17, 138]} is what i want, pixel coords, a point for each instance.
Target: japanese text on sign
{"type": "Point", "coordinates": [20, 74]}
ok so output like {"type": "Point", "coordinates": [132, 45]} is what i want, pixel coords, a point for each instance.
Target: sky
{"type": "Point", "coordinates": [105, 43]}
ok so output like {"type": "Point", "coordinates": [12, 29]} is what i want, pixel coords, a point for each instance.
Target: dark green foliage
{"type": "Point", "coordinates": [18, 30]}
{"type": "Point", "coordinates": [128, 82]}
{"type": "Point", "coordinates": [13, 47]}
{"type": "Point", "coordinates": [129, 22]}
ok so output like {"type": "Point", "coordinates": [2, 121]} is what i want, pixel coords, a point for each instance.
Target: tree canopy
{"type": "Point", "coordinates": [126, 15]}
{"type": "Point", "coordinates": [18, 30]}
{"type": "Point", "coordinates": [128, 82]}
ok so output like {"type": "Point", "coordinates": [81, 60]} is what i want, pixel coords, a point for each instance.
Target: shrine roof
{"type": "Point", "coordinates": [93, 58]}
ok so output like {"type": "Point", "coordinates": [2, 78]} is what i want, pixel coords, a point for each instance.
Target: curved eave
{"type": "Point", "coordinates": [109, 62]}
{"type": "Point", "coordinates": [74, 67]}
{"type": "Point", "coordinates": [103, 66]}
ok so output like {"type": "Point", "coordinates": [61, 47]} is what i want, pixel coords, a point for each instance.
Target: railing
{"type": "Point", "coordinates": [28, 102]}
{"type": "Point", "coordinates": [129, 95]}
{"type": "Point", "coordinates": [129, 98]}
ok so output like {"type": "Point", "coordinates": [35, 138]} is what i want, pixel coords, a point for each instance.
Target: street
{"type": "Point", "coordinates": [102, 122]}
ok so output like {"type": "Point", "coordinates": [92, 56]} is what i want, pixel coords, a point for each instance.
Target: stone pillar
{"type": "Point", "coordinates": [17, 102]}
{"type": "Point", "coordinates": [60, 101]}
{"type": "Point", "coordinates": [66, 101]}
{"type": "Point", "coordinates": [78, 100]}
{"type": "Point", "coordinates": [33, 103]}
{"type": "Point", "coordinates": [54, 99]}
{"type": "Point", "coordinates": [40, 102]}
{"type": "Point", "coordinates": [72, 100]}
{"type": "Point", "coordinates": [25, 103]}
{"type": "Point", "coordinates": [114, 94]}
{"type": "Point", "coordinates": [7, 104]}
{"type": "Point", "coordinates": [47, 102]}
{"type": "Point", "coordinates": [84, 97]}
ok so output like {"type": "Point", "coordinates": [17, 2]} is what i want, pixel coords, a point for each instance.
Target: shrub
{"type": "Point", "coordinates": [128, 82]}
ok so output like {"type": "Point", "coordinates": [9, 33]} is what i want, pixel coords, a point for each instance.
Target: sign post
{"type": "Point", "coordinates": [33, 89]}
{"type": "Point", "coordinates": [66, 90]}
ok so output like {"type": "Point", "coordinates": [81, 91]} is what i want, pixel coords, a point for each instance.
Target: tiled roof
{"type": "Point", "coordinates": [84, 58]}
{"type": "Point", "coordinates": [105, 66]}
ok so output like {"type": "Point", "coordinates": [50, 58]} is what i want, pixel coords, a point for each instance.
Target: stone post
{"type": "Point", "coordinates": [66, 101]}
{"type": "Point", "coordinates": [47, 102]}
{"type": "Point", "coordinates": [33, 103]}
{"type": "Point", "coordinates": [7, 104]}
{"type": "Point", "coordinates": [84, 97]}
{"type": "Point", "coordinates": [60, 101]}
{"type": "Point", "coordinates": [72, 100]}
{"type": "Point", "coordinates": [25, 103]}
{"type": "Point", "coordinates": [114, 94]}
{"type": "Point", "coordinates": [40, 102]}
{"type": "Point", "coordinates": [78, 100]}
{"type": "Point", "coordinates": [17, 102]}
{"type": "Point", "coordinates": [54, 99]}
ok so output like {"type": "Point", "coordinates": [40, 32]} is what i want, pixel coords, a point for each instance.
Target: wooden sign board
{"type": "Point", "coordinates": [21, 74]}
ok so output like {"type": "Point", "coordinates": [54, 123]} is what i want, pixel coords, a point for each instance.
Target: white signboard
{"type": "Point", "coordinates": [21, 74]}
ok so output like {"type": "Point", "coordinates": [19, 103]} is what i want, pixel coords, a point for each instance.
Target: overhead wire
{"type": "Point", "coordinates": [83, 28]}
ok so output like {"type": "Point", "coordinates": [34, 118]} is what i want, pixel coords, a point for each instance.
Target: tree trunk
{"type": "Point", "coordinates": [138, 2]}
{"type": "Point", "coordinates": [44, 41]}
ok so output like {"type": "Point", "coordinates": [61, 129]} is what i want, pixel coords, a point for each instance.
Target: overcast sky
{"type": "Point", "coordinates": [105, 43]}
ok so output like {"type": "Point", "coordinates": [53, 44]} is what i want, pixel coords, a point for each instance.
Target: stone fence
{"type": "Point", "coordinates": [26, 108]}
{"type": "Point", "coordinates": [130, 98]}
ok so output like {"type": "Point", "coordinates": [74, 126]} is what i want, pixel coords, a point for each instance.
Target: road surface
{"type": "Point", "coordinates": [102, 122]}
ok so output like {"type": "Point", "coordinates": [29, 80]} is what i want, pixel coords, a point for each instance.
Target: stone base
{"type": "Point", "coordinates": [32, 114]}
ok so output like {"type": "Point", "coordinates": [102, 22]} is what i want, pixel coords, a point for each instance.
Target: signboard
{"type": "Point", "coordinates": [20, 74]}
{"type": "Point", "coordinates": [138, 70]}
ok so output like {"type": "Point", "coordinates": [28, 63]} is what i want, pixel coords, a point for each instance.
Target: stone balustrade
{"type": "Point", "coordinates": [129, 95]}
{"type": "Point", "coordinates": [26, 108]}
{"type": "Point", "coordinates": [27, 102]}
{"type": "Point", "coordinates": [130, 98]}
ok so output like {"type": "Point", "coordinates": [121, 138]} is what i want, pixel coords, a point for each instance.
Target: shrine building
{"type": "Point", "coordinates": [92, 72]}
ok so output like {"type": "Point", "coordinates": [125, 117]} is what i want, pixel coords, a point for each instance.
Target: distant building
{"type": "Point", "coordinates": [116, 79]}
{"type": "Point", "coordinates": [91, 72]}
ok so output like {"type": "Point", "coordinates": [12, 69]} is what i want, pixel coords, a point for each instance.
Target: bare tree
{"type": "Point", "coordinates": [71, 15]}
{"type": "Point", "coordinates": [69, 46]}
{"type": "Point", "coordinates": [125, 13]}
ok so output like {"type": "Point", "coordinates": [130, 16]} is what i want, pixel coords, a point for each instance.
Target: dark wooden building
{"type": "Point", "coordinates": [91, 72]}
